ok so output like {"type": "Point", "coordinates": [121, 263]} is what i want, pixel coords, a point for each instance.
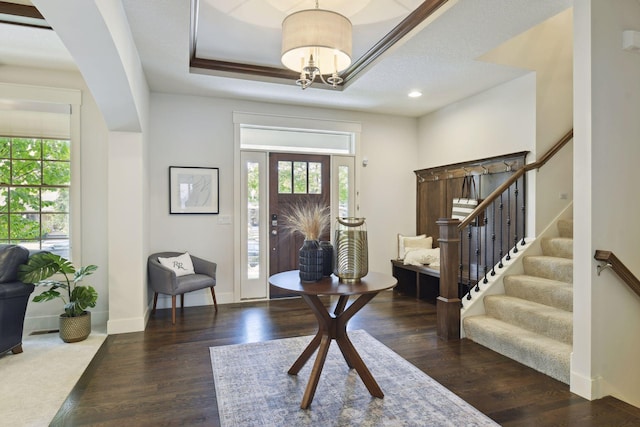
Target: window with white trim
{"type": "Point", "coordinates": [35, 180]}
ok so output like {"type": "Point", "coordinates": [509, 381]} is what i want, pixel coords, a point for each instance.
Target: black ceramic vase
{"type": "Point", "coordinates": [327, 258]}
{"type": "Point", "coordinates": [310, 261]}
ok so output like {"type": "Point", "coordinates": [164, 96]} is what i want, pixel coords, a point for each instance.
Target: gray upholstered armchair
{"type": "Point", "coordinates": [163, 280]}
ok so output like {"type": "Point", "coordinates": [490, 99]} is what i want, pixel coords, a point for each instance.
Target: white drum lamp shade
{"type": "Point", "coordinates": [323, 34]}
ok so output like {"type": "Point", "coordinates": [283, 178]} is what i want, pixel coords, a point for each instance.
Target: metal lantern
{"type": "Point", "coordinates": [350, 248]}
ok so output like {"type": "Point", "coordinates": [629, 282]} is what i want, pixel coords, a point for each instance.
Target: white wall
{"type": "Point", "coordinates": [498, 121]}
{"type": "Point", "coordinates": [198, 131]}
{"type": "Point", "coordinates": [553, 62]}
{"type": "Point", "coordinates": [495, 122]}
{"type": "Point", "coordinates": [547, 49]}
{"type": "Point", "coordinates": [114, 75]}
{"type": "Point", "coordinates": [607, 101]}
{"type": "Point", "coordinates": [93, 192]}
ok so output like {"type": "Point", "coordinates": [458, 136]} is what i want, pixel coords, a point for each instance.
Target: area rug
{"type": "Point", "coordinates": [35, 383]}
{"type": "Point", "coordinates": [253, 388]}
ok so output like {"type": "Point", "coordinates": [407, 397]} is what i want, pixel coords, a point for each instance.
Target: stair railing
{"type": "Point", "coordinates": [611, 261]}
{"type": "Point", "coordinates": [489, 234]}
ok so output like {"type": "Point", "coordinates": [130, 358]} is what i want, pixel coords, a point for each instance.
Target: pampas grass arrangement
{"type": "Point", "coordinates": [309, 219]}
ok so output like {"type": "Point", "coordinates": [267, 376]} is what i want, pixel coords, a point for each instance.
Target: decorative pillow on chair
{"type": "Point", "coordinates": [181, 264]}
{"type": "Point", "coordinates": [421, 240]}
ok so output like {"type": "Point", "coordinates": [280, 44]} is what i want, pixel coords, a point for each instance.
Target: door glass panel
{"type": "Point", "coordinates": [343, 191]}
{"type": "Point", "coordinates": [284, 177]}
{"type": "Point", "coordinates": [253, 223]}
{"type": "Point", "coordinates": [300, 177]}
{"type": "Point", "coordinates": [315, 178]}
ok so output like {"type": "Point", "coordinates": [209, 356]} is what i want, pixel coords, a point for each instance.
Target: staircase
{"type": "Point", "coordinates": [532, 322]}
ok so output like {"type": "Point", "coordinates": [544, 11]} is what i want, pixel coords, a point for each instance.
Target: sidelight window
{"type": "Point", "coordinates": [253, 219]}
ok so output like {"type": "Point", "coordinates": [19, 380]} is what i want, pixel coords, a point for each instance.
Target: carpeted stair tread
{"type": "Point", "coordinates": [548, 267]}
{"type": "Point", "coordinates": [561, 247]}
{"type": "Point", "coordinates": [541, 353]}
{"type": "Point", "coordinates": [543, 291]}
{"type": "Point", "coordinates": [539, 318]}
{"type": "Point", "coordinates": [565, 228]}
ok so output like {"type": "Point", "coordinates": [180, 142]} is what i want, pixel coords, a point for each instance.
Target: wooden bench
{"type": "Point", "coordinates": [423, 280]}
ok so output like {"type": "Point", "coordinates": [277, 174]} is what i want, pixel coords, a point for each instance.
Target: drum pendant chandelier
{"type": "Point", "coordinates": [316, 42]}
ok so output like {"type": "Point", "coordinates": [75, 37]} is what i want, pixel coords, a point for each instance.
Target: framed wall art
{"type": "Point", "coordinates": [193, 190]}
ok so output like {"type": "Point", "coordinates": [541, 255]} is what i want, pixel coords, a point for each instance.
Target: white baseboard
{"type": "Point", "coordinates": [123, 326]}
{"type": "Point", "coordinates": [587, 387]}
{"type": "Point", "coordinates": [51, 322]}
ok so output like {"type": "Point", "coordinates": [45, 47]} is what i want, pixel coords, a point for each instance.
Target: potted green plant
{"type": "Point", "coordinates": [75, 322]}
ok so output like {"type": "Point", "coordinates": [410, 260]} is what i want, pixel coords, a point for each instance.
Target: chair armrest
{"type": "Point", "coordinates": [202, 266]}
{"type": "Point", "coordinates": [161, 278]}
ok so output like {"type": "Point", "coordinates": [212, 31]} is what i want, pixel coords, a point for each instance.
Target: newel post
{"type": "Point", "coordinates": [448, 304]}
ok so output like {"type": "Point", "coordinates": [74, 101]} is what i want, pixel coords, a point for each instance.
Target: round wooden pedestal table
{"type": "Point", "coordinates": [333, 326]}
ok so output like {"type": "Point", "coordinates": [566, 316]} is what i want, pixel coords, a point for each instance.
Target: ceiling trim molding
{"type": "Point", "coordinates": [23, 11]}
{"type": "Point", "coordinates": [415, 18]}
{"type": "Point", "coordinates": [412, 21]}
{"type": "Point", "coordinates": [238, 67]}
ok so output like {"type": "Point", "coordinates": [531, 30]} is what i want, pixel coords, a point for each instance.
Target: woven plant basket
{"type": "Point", "coordinates": [74, 329]}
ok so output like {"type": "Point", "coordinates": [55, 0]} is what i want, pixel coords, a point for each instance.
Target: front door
{"type": "Point", "coordinates": [293, 179]}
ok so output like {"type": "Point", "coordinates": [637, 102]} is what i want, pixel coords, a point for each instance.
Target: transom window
{"type": "Point", "coordinates": [35, 178]}
{"type": "Point", "coordinates": [299, 177]}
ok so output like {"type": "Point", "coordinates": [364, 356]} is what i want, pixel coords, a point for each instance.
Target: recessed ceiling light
{"type": "Point", "coordinates": [415, 94]}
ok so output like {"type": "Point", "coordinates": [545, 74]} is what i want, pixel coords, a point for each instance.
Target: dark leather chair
{"type": "Point", "coordinates": [163, 280]}
{"type": "Point", "coordinates": [14, 296]}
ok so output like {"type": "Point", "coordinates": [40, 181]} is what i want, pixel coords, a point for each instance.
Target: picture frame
{"type": "Point", "coordinates": [194, 190]}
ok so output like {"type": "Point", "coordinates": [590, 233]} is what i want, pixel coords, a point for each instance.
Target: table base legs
{"type": "Point", "coordinates": [333, 327]}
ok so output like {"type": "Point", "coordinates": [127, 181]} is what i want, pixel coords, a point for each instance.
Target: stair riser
{"type": "Point", "coordinates": [565, 228]}
{"type": "Point", "coordinates": [557, 247]}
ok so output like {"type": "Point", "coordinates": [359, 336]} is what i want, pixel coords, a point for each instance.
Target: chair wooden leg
{"type": "Point", "coordinates": [213, 294]}
{"type": "Point", "coordinates": [182, 301]}
{"type": "Point", "coordinates": [173, 309]}
{"type": "Point", "coordinates": [155, 301]}
{"type": "Point", "coordinates": [17, 349]}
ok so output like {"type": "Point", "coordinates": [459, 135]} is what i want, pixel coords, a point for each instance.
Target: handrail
{"type": "Point", "coordinates": [513, 178]}
{"type": "Point", "coordinates": [619, 268]}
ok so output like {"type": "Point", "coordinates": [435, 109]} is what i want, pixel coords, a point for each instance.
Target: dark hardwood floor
{"type": "Point", "coordinates": [162, 376]}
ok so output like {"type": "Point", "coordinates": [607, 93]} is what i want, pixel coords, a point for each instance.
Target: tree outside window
{"type": "Point", "coordinates": [35, 178]}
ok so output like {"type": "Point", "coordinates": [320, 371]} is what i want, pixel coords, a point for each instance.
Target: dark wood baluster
{"type": "Point", "coordinates": [448, 303]}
